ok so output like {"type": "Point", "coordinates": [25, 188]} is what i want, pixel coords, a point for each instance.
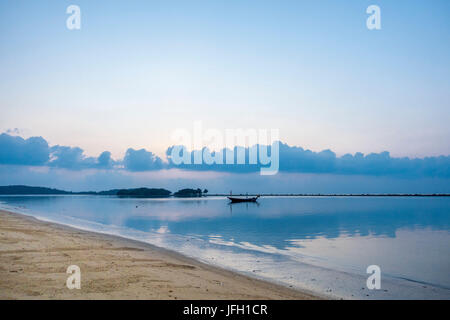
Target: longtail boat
{"type": "Point", "coordinates": [236, 200]}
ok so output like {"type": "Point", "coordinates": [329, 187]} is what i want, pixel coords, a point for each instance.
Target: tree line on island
{"type": "Point", "coordinates": [137, 192]}
{"type": "Point", "coordinates": [161, 193]}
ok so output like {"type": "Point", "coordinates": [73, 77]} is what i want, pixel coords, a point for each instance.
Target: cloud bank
{"type": "Point", "coordinates": [141, 160]}
{"type": "Point", "coordinates": [16, 150]}
{"type": "Point", "coordinates": [35, 151]}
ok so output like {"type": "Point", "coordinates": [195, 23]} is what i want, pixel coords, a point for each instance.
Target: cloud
{"type": "Point", "coordinates": [104, 160]}
{"type": "Point", "coordinates": [69, 158]}
{"type": "Point", "coordinates": [73, 158]}
{"type": "Point", "coordinates": [141, 160]}
{"type": "Point", "coordinates": [16, 150]}
{"type": "Point", "coordinates": [298, 160]}
{"type": "Point", "coordinates": [35, 151]}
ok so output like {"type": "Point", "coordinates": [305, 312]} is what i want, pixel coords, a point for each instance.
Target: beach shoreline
{"type": "Point", "coordinates": [35, 254]}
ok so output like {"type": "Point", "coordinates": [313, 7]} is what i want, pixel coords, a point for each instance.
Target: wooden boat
{"type": "Point", "coordinates": [237, 200]}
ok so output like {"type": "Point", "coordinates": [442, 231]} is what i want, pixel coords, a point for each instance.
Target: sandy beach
{"type": "Point", "coordinates": [34, 256]}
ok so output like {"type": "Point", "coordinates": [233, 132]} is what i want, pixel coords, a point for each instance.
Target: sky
{"type": "Point", "coordinates": [137, 71]}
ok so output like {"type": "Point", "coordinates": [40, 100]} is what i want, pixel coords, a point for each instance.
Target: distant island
{"type": "Point", "coordinates": [26, 190]}
{"type": "Point", "coordinates": [144, 193]}
{"type": "Point", "coordinates": [136, 192]}
{"type": "Point", "coordinates": [188, 193]}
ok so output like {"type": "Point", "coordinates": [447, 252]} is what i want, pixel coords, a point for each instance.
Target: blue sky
{"type": "Point", "coordinates": [137, 71]}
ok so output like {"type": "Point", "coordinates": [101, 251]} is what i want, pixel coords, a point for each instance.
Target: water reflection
{"type": "Point", "coordinates": [408, 236]}
{"type": "Point", "coordinates": [240, 205]}
{"type": "Point", "coordinates": [274, 220]}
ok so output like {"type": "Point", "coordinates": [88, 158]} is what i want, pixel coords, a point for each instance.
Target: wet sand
{"type": "Point", "coordinates": [34, 256]}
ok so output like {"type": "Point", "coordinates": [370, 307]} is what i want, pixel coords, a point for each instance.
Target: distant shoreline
{"type": "Point", "coordinates": [262, 195]}
{"type": "Point", "coordinates": [235, 195]}
{"type": "Point", "coordinates": [18, 190]}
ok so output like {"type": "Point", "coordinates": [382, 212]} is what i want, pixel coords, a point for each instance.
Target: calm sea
{"type": "Point", "coordinates": [321, 244]}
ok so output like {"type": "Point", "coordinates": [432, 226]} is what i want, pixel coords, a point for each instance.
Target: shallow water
{"type": "Point", "coordinates": [322, 244]}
